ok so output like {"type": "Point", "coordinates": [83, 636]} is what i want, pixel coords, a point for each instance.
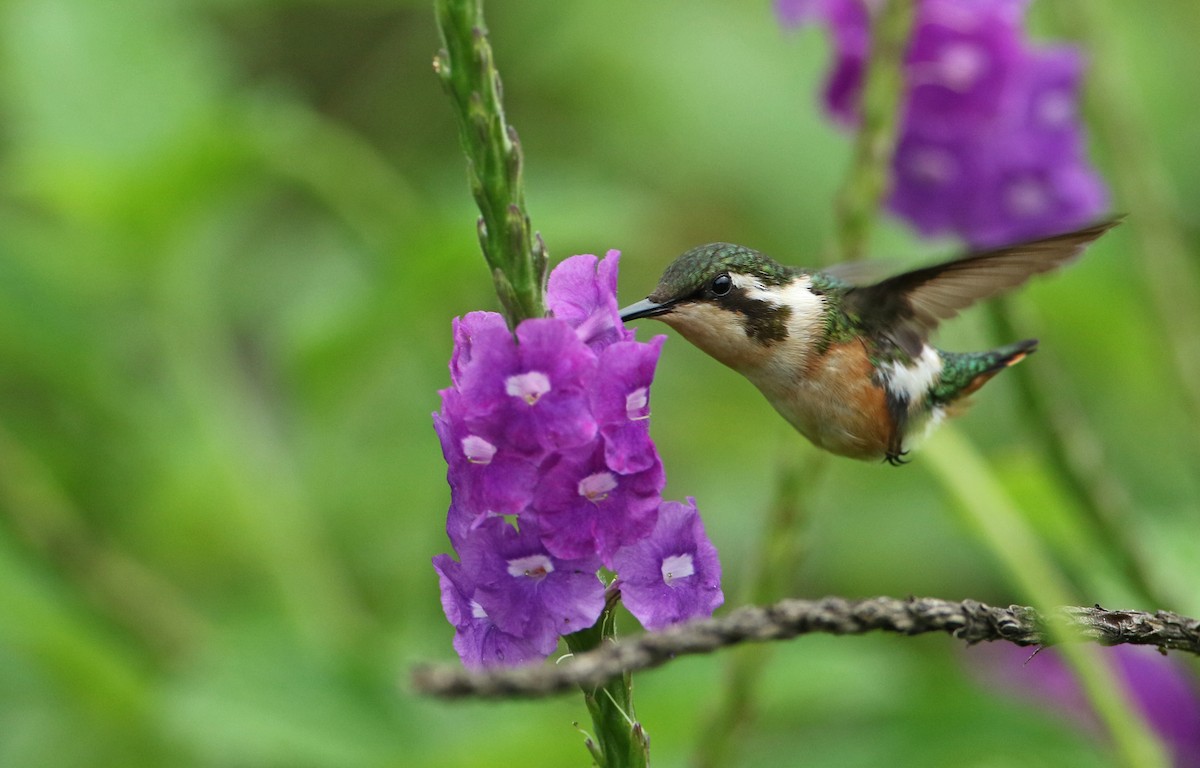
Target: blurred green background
{"type": "Point", "coordinates": [232, 236]}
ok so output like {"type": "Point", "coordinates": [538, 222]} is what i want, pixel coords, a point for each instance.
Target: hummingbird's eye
{"type": "Point", "coordinates": [722, 284]}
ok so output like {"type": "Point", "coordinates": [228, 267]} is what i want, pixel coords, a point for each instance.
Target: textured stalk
{"type": "Point", "coordinates": [620, 742]}
{"type": "Point", "coordinates": [515, 255]}
{"type": "Point", "coordinates": [866, 184]}
{"type": "Point", "coordinates": [985, 507]}
{"type": "Point", "coordinates": [967, 620]}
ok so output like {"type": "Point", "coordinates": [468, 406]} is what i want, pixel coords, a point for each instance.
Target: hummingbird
{"type": "Point", "coordinates": [850, 366]}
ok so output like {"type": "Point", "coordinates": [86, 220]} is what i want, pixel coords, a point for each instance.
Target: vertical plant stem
{"type": "Point", "coordinates": [867, 182]}
{"type": "Point", "coordinates": [1076, 458]}
{"type": "Point", "coordinates": [774, 573]}
{"type": "Point", "coordinates": [621, 742]}
{"type": "Point", "coordinates": [516, 256]}
{"type": "Point", "coordinates": [986, 509]}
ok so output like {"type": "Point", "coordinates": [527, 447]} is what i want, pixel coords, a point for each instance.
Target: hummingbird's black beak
{"type": "Point", "coordinates": [644, 308]}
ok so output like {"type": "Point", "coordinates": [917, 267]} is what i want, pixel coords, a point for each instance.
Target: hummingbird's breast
{"type": "Point", "coordinates": [835, 400]}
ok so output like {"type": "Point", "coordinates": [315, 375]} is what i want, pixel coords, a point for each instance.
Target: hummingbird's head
{"type": "Point", "coordinates": [733, 302]}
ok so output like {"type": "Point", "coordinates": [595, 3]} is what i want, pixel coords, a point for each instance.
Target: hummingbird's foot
{"type": "Point", "coordinates": [897, 459]}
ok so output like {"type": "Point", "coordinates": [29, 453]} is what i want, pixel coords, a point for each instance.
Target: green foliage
{"type": "Point", "coordinates": [232, 236]}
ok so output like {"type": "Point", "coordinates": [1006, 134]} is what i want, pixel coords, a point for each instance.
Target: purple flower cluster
{"type": "Point", "coordinates": [553, 475]}
{"type": "Point", "coordinates": [990, 146]}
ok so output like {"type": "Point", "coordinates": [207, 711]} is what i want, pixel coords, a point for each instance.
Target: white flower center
{"type": "Point", "coordinates": [961, 65]}
{"type": "Point", "coordinates": [1027, 197]}
{"type": "Point", "coordinates": [477, 611]}
{"type": "Point", "coordinates": [596, 487]}
{"type": "Point", "coordinates": [932, 166]}
{"type": "Point", "coordinates": [477, 450]}
{"type": "Point", "coordinates": [528, 386]}
{"type": "Point", "coordinates": [532, 566]}
{"type": "Point", "coordinates": [677, 567]}
{"type": "Point", "coordinates": [635, 404]}
{"type": "Point", "coordinates": [1055, 109]}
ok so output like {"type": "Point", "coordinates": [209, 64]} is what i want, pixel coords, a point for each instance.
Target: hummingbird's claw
{"type": "Point", "coordinates": [897, 459]}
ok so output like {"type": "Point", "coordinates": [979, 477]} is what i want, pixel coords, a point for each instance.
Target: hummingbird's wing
{"type": "Point", "coordinates": [909, 306]}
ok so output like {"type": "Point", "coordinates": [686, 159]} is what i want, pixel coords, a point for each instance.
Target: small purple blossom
{"type": "Point", "coordinates": [533, 389]}
{"type": "Point", "coordinates": [477, 639]}
{"type": "Point", "coordinates": [621, 403]}
{"type": "Point", "coordinates": [583, 292]}
{"type": "Point", "coordinates": [525, 590]}
{"type": "Point", "coordinates": [487, 477]}
{"type": "Point", "coordinates": [990, 145]}
{"type": "Point", "coordinates": [583, 505]}
{"type": "Point", "coordinates": [674, 574]}
{"type": "Point", "coordinates": [550, 465]}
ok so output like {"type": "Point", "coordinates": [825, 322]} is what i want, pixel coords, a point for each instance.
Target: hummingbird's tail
{"type": "Point", "coordinates": [965, 372]}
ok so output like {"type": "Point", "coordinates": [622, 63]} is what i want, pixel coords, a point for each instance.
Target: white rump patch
{"type": "Point", "coordinates": [913, 382]}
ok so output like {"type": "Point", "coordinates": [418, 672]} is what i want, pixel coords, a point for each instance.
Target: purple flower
{"type": "Point", "coordinates": [673, 575]}
{"type": "Point", "coordinates": [477, 639]}
{"type": "Point", "coordinates": [990, 145]}
{"type": "Point", "coordinates": [584, 506]}
{"type": "Point", "coordinates": [1160, 687]}
{"type": "Point", "coordinates": [1021, 196]}
{"type": "Point", "coordinates": [960, 66]}
{"type": "Point", "coordinates": [550, 465]}
{"type": "Point", "coordinates": [533, 390]}
{"type": "Point", "coordinates": [525, 590]}
{"type": "Point", "coordinates": [584, 294]}
{"type": "Point", "coordinates": [466, 329]}
{"type": "Point", "coordinates": [487, 477]}
{"type": "Point", "coordinates": [621, 403]}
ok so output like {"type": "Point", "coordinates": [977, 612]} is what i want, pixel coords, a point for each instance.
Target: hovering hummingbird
{"type": "Point", "coordinates": [849, 366]}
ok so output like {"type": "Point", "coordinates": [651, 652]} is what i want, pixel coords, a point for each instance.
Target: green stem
{"type": "Point", "coordinates": [516, 256]}
{"type": "Point", "coordinates": [1072, 449]}
{"type": "Point", "coordinates": [621, 742]}
{"type": "Point", "coordinates": [986, 508]}
{"type": "Point", "coordinates": [867, 182]}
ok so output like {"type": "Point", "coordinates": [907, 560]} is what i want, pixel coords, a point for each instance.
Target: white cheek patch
{"type": "Point", "coordinates": [807, 307]}
{"type": "Point", "coordinates": [913, 382]}
{"type": "Point", "coordinates": [753, 288]}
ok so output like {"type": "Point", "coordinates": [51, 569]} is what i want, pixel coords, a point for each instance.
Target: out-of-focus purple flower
{"type": "Point", "coordinates": [673, 575]}
{"type": "Point", "coordinates": [1162, 689]}
{"type": "Point", "coordinates": [550, 465]}
{"type": "Point", "coordinates": [960, 67]}
{"type": "Point", "coordinates": [990, 145]}
{"type": "Point", "coordinates": [477, 639]}
{"type": "Point", "coordinates": [584, 506]}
